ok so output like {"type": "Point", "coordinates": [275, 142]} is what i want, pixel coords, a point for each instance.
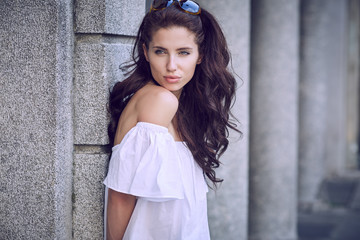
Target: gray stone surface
{"type": "Point", "coordinates": [353, 85]}
{"type": "Point", "coordinates": [97, 61]}
{"type": "Point", "coordinates": [121, 17]}
{"type": "Point", "coordinates": [313, 98]}
{"type": "Point", "coordinates": [355, 205]}
{"type": "Point", "coordinates": [336, 67]}
{"type": "Point", "coordinates": [88, 196]}
{"type": "Point", "coordinates": [227, 207]}
{"type": "Point", "coordinates": [35, 119]}
{"type": "Point", "coordinates": [340, 220]}
{"type": "Point", "coordinates": [338, 192]}
{"type": "Point", "coordinates": [274, 115]}
{"type": "Point", "coordinates": [97, 64]}
{"type": "Point", "coordinates": [64, 120]}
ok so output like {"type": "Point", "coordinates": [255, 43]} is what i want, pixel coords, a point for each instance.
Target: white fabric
{"type": "Point", "coordinates": [169, 185]}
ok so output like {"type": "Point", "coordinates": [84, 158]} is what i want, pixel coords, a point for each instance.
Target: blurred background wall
{"type": "Point", "coordinates": [294, 174]}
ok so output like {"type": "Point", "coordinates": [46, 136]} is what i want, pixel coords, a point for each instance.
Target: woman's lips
{"type": "Point", "coordinates": [172, 79]}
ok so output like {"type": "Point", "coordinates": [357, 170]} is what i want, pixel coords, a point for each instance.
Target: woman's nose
{"type": "Point", "coordinates": [171, 64]}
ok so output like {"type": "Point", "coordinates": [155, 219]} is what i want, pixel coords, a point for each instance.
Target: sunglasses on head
{"type": "Point", "coordinates": [190, 7]}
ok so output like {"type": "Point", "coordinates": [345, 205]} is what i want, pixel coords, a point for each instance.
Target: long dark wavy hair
{"type": "Point", "coordinates": [203, 116]}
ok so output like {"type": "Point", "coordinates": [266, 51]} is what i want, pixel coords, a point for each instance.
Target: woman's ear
{"type": "Point", "coordinates": [199, 60]}
{"type": "Point", "coordinates": [145, 52]}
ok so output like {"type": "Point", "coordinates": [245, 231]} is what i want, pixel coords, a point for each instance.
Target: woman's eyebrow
{"type": "Point", "coordinates": [179, 49]}
{"type": "Point", "coordinates": [158, 47]}
{"type": "Point", "coordinates": [185, 48]}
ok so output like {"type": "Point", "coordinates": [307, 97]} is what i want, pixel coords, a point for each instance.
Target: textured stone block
{"type": "Point", "coordinates": [122, 17]}
{"type": "Point", "coordinates": [96, 69]}
{"type": "Point", "coordinates": [35, 119]}
{"type": "Point", "coordinates": [88, 196]}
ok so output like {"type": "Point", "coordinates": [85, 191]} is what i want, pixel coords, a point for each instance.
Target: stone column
{"type": "Point", "coordinates": [353, 85]}
{"type": "Point", "coordinates": [274, 120]}
{"type": "Point", "coordinates": [104, 35]}
{"type": "Point", "coordinates": [228, 206]}
{"type": "Point", "coordinates": [322, 62]}
{"type": "Point", "coordinates": [336, 62]}
{"type": "Point", "coordinates": [313, 99]}
{"type": "Point", "coordinates": [36, 134]}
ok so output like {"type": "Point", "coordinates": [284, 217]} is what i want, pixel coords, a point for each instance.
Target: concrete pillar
{"type": "Point", "coordinates": [274, 119]}
{"type": "Point", "coordinates": [353, 85]}
{"type": "Point", "coordinates": [322, 101]}
{"type": "Point", "coordinates": [313, 98]}
{"type": "Point", "coordinates": [104, 35]}
{"type": "Point", "coordinates": [336, 67]}
{"type": "Point", "coordinates": [228, 206]}
{"type": "Point", "coordinates": [36, 77]}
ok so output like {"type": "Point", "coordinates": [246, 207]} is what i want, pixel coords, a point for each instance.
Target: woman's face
{"type": "Point", "coordinates": [173, 55]}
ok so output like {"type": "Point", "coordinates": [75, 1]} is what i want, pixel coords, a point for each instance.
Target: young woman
{"type": "Point", "coordinates": [169, 126]}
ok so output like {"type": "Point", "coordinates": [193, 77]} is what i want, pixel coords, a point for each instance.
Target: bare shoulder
{"type": "Point", "coordinates": [156, 105]}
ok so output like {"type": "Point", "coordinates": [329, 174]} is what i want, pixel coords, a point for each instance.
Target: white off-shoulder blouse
{"type": "Point", "coordinates": [168, 183]}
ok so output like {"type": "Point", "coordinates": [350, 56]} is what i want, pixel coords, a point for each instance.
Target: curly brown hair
{"type": "Point", "coordinates": [203, 116]}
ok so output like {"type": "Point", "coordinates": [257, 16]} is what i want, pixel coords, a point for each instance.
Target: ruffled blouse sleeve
{"type": "Point", "coordinates": [146, 164]}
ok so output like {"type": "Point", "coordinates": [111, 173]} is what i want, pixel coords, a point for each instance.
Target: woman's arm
{"type": "Point", "coordinates": [158, 106]}
{"type": "Point", "coordinates": [119, 209]}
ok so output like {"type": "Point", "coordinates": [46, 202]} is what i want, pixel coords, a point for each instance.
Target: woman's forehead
{"type": "Point", "coordinates": [179, 37]}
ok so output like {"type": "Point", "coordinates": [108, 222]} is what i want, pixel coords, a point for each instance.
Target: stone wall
{"type": "Point", "coordinates": [104, 33]}
{"type": "Point", "coordinates": [36, 119]}
{"type": "Point", "coordinates": [58, 63]}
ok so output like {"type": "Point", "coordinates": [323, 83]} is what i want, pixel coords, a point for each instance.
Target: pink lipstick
{"type": "Point", "coordinates": [172, 78]}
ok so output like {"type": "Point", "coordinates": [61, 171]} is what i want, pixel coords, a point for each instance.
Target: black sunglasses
{"type": "Point", "coordinates": [190, 7]}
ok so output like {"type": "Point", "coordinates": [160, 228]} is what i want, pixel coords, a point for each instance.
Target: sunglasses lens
{"type": "Point", "coordinates": [169, 3]}
{"type": "Point", "coordinates": [187, 6]}
{"type": "Point", "coordinates": [158, 4]}
{"type": "Point", "coordinates": [190, 6]}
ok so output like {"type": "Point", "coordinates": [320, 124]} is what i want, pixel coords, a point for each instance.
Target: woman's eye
{"type": "Point", "coordinates": [184, 53]}
{"type": "Point", "coordinates": [159, 51]}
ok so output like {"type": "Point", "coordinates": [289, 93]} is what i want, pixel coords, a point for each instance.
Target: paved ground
{"type": "Point", "coordinates": [338, 217]}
